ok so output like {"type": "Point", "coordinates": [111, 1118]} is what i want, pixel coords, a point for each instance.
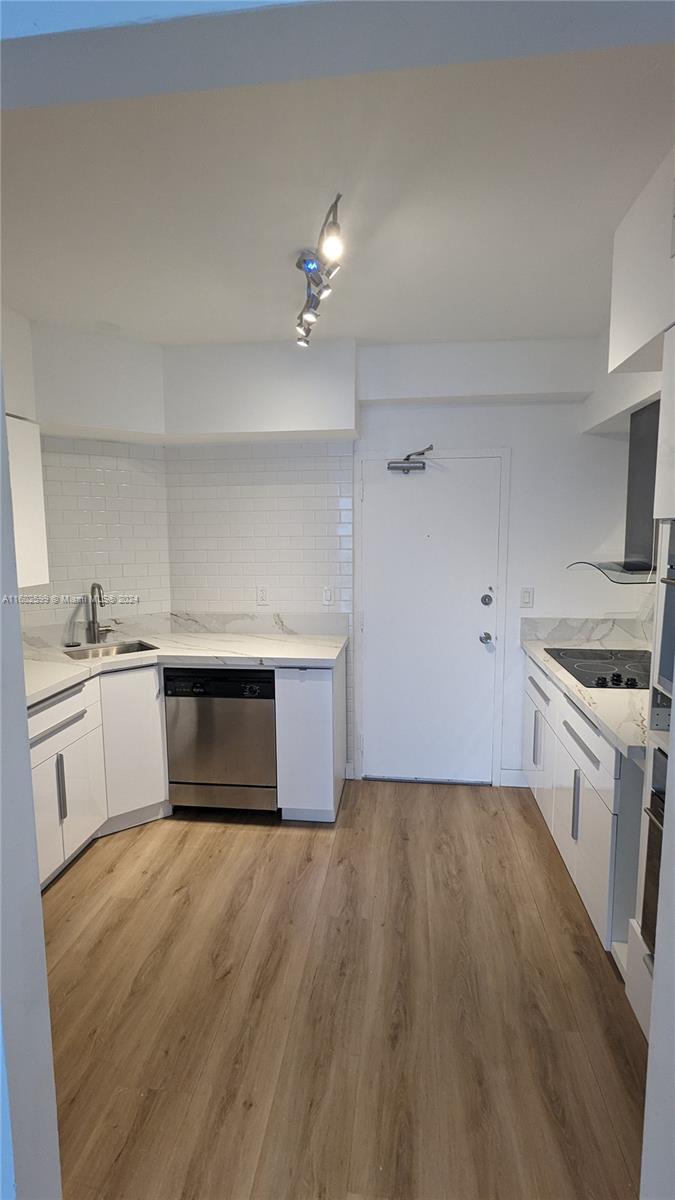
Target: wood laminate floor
{"type": "Point", "coordinates": [411, 1005]}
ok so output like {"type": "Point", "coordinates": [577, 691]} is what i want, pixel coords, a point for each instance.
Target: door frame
{"type": "Point", "coordinates": [504, 455]}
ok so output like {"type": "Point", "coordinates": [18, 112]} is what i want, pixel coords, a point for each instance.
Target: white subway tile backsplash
{"type": "Point", "coordinates": [200, 526]}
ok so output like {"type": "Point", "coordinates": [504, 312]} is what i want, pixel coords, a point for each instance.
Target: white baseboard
{"type": "Point", "coordinates": [512, 779]}
{"type": "Point", "coordinates": [308, 814]}
{"type": "Point", "coordinates": [139, 816]}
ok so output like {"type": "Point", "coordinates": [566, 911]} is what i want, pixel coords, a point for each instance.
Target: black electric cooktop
{"type": "Point", "coordinates": [605, 668]}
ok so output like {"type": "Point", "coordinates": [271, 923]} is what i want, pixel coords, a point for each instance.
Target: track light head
{"type": "Point", "coordinates": [332, 246]}
{"type": "Point", "coordinates": [310, 313]}
{"type": "Point", "coordinates": [303, 341]}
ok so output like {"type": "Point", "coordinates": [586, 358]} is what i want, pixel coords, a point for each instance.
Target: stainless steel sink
{"type": "Point", "coordinates": [110, 651]}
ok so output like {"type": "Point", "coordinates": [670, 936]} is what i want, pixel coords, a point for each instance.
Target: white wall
{"type": "Point", "coordinates": [461, 370]}
{"type": "Point", "coordinates": [264, 389]}
{"type": "Point", "coordinates": [567, 502]}
{"type": "Point", "coordinates": [24, 1000]}
{"type": "Point", "coordinates": [95, 381]}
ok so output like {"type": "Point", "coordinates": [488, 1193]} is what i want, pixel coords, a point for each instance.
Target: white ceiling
{"type": "Point", "coordinates": [480, 200]}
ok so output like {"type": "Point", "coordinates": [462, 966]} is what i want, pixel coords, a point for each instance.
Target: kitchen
{"type": "Point", "coordinates": [346, 651]}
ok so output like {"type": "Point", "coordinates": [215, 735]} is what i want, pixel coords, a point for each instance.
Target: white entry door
{"type": "Point", "coordinates": [430, 543]}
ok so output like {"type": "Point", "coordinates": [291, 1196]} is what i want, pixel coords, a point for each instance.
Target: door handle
{"type": "Point", "coordinates": [485, 638]}
{"type": "Point", "coordinates": [654, 820]}
{"type": "Point", "coordinates": [535, 738]}
{"type": "Point", "coordinates": [61, 787]}
{"type": "Point", "coordinates": [575, 805]}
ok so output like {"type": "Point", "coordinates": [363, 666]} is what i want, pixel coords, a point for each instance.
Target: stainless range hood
{"type": "Point", "coordinates": [637, 564]}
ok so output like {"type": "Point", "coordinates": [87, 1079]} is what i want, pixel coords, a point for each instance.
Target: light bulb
{"type": "Point", "coordinates": [303, 341]}
{"type": "Point", "coordinates": [324, 290]}
{"type": "Point", "coordinates": [332, 245]}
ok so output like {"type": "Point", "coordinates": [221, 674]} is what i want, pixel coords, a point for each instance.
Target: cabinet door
{"type": "Point", "coordinates": [544, 789]}
{"type": "Point", "coordinates": [47, 817]}
{"type": "Point", "coordinates": [566, 792]}
{"type": "Point", "coordinates": [304, 720]}
{"type": "Point", "coordinates": [84, 790]}
{"type": "Point", "coordinates": [595, 860]}
{"type": "Point", "coordinates": [28, 502]}
{"type": "Point", "coordinates": [133, 737]}
{"type": "Point", "coordinates": [532, 722]}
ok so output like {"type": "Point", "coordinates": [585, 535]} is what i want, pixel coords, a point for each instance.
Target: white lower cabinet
{"type": "Point", "coordinates": [134, 741]}
{"type": "Point", "coordinates": [311, 741]}
{"type": "Point", "coordinates": [48, 817]}
{"type": "Point", "coordinates": [84, 791]}
{"type": "Point", "coordinates": [538, 755]}
{"type": "Point", "coordinates": [576, 779]}
{"type": "Point", "coordinates": [566, 785]}
{"type": "Point", "coordinates": [69, 790]}
{"type": "Point", "coordinates": [584, 831]}
{"type": "Point", "coordinates": [595, 859]}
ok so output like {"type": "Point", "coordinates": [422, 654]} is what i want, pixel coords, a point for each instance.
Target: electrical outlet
{"type": "Point", "coordinates": [261, 595]}
{"type": "Point", "coordinates": [327, 597]}
{"type": "Point", "coordinates": [527, 597]}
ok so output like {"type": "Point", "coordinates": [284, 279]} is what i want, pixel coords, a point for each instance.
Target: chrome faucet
{"type": "Point", "coordinates": [96, 600]}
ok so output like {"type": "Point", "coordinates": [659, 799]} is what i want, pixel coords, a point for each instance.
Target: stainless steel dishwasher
{"type": "Point", "coordinates": [221, 738]}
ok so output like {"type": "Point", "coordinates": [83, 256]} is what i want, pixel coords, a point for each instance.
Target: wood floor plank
{"type": "Point", "coordinates": [411, 1005]}
{"type": "Point", "coordinates": [397, 1127]}
{"type": "Point", "coordinates": [305, 1153]}
{"type": "Point", "coordinates": [614, 1042]}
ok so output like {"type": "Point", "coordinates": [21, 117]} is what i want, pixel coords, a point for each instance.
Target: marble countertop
{"type": "Point", "coordinates": [48, 670]}
{"type": "Point", "coordinates": [620, 714]}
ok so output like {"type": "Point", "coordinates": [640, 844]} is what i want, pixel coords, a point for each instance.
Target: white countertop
{"type": "Point", "coordinates": [619, 713]}
{"type": "Point", "coordinates": [48, 670]}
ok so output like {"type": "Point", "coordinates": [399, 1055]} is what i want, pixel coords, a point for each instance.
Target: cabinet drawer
{"type": "Point", "coordinates": [600, 762]}
{"type": "Point", "coordinates": [541, 690]}
{"type": "Point", "coordinates": [64, 731]}
{"type": "Point", "coordinates": [48, 714]}
{"type": "Point", "coordinates": [594, 874]}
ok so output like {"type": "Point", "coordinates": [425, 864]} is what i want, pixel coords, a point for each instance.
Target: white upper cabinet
{"type": "Point", "coordinates": [28, 502]}
{"type": "Point", "coordinates": [23, 447]}
{"type": "Point", "coordinates": [643, 276]}
{"type": "Point", "coordinates": [17, 365]}
{"type": "Point", "coordinates": [664, 492]}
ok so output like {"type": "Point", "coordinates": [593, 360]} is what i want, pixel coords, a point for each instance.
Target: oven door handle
{"type": "Point", "coordinates": [668, 582]}
{"type": "Point", "coordinates": [653, 819]}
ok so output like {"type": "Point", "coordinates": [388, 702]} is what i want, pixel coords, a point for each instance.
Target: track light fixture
{"type": "Point", "coordinates": [319, 267]}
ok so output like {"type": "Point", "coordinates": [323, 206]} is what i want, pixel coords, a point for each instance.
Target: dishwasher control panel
{"type": "Point", "coordinates": [216, 683]}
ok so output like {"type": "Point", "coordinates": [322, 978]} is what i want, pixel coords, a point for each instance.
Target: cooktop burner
{"type": "Point", "coordinates": [605, 668]}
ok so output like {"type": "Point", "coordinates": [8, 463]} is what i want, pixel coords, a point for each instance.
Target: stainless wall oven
{"type": "Point", "coordinates": [221, 738]}
{"type": "Point", "coordinates": [655, 813]}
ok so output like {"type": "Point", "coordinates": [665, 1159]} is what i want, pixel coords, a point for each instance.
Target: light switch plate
{"type": "Point", "coordinates": [261, 595]}
{"type": "Point", "coordinates": [327, 597]}
{"type": "Point", "coordinates": [527, 597]}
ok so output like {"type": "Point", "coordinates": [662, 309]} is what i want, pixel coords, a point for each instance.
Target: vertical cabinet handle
{"type": "Point", "coordinates": [535, 738]}
{"type": "Point", "coordinates": [576, 792]}
{"type": "Point", "coordinates": [61, 787]}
